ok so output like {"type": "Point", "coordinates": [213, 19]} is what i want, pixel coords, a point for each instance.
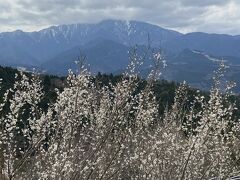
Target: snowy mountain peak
{"type": "Point", "coordinates": [20, 47]}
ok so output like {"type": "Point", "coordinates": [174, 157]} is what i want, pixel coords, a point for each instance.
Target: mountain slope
{"type": "Point", "coordinates": [216, 44]}
{"type": "Point", "coordinates": [48, 43]}
{"type": "Point", "coordinates": [102, 55]}
{"type": "Point", "coordinates": [189, 56]}
{"type": "Point", "coordinates": [197, 69]}
{"type": "Point", "coordinates": [43, 45]}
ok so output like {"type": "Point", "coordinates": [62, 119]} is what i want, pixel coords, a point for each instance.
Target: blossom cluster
{"type": "Point", "coordinates": [116, 131]}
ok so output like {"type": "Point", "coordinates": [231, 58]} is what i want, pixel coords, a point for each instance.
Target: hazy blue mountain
{"type": "Point", "coordinates": [102, 56]}
{"type": "Point", "coordinates": [197, 68]}
{"type": "Point", "coordinates": [216, 44]}
{"type": "Point", "coordinates": [191, 56]}
{"type": "Point", "coordinates": [34, 47]}
{"type": "Point", "coordinates": [45, 44]}
{"type": "Point", "coordinates": [15, 49]}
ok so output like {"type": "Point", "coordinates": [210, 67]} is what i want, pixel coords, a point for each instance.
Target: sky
{"type": "Point", "coordinates": [212, 16]}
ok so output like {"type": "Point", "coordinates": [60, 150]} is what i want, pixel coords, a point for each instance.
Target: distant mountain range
{"type": "Point", "coordinates": [191, 56]}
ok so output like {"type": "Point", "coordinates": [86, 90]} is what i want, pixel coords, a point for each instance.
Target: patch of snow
{"type": "Point", "coordinates": [53, 32]}
{"type": "Point", "coordinates": [213, 59]}
{"type": "Point", "coordinates": [21, 68]}
{"type": "Point", "coordinates": [129, 28]}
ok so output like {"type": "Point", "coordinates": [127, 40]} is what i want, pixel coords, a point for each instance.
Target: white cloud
{"type": "Point", "coordinates": [220, 16]}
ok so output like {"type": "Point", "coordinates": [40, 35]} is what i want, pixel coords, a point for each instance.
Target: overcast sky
{"type": "Point", "coordinates": [215, 16]}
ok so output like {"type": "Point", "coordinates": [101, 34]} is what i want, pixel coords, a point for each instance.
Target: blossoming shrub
{"type": "Point", "coordinates": [116, 132]}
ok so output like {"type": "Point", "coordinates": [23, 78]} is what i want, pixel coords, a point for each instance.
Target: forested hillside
{"type": "Point", "coordinates": [164, 90]}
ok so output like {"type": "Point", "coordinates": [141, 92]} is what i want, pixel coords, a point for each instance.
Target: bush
{"type": "Point", "coordinates": [117, 132]}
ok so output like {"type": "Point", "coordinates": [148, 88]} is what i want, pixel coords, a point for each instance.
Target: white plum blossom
{"type": "Point", "coordinates": [116, 131]}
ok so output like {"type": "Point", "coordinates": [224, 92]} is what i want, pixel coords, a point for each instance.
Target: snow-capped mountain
{"type": "Point", "coordinates": [33, 48]}
{"type": "Point", "coordinates": [106, 44]}
{"type": "Point", "coordinates": [37, 47]}
{"type": "Point", "coordinates": [125, 32]}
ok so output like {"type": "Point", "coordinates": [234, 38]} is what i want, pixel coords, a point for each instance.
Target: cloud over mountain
{"type": "Point", "coordinates": [219, 16]}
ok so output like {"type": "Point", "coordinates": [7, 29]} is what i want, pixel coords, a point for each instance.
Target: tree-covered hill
{"type": "Point", "coordinates": [163, 89]}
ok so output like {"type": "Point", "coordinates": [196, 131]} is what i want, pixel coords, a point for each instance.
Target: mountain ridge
{"type": "Point", "coordinates": [53, 49]}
